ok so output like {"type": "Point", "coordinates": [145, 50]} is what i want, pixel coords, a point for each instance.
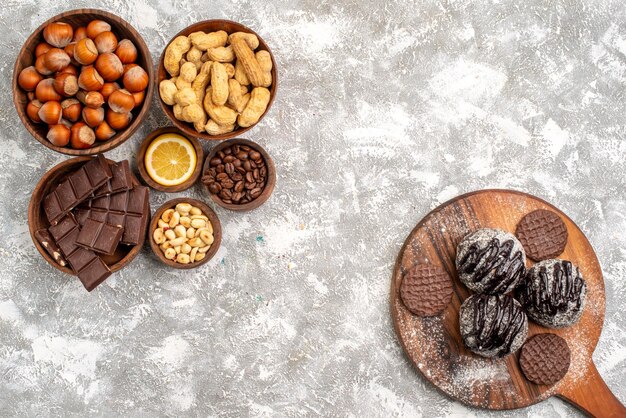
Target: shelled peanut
{"type": "Point", "coordinates": [84, 83]}
{"type": "Point", "coordinates": [184, 234]}
{"type": "Point", "coordinates": [217, 82]}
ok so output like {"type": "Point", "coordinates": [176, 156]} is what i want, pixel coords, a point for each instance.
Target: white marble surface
{"type": "Point", "coordinates": [383, 112]}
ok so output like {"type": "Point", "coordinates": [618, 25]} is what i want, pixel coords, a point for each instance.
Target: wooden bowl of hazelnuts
{"type": "Point", "coordinates": [83, 82]}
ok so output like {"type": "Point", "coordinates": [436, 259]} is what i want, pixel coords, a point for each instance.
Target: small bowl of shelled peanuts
{"type": "Point", "coordinates": [216, 79]}
{"type": "Point", "coordinates": [185, 233]}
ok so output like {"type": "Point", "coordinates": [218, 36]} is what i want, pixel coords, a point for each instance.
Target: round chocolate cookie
{"type": "Point", "coordinates": [426, 290]}
{"type": "Point", "coordinates": [545, 359]}
{"type": "Point", "coordinates": [492, 325]}
{"type": "Point", "coordinates": [543, 234]}
{"type": "Point", "coordinates": [553, 293]}
{"type": "Point", "coordinates": [490, 261]}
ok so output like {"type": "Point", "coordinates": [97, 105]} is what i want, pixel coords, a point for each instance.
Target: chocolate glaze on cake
{"type": "Point", "coordinates": [490, 261]}
{"type": "Point", "coordinates": [553, 293]}
{"type": "Point", "coordinates": [492, 325]}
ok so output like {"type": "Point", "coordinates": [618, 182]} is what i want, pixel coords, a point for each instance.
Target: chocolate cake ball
{"type": "Point", "coordinates": [553, 293]}
{"type": "Point", "coordinates": [492, 325]}
{"type": "Point", "coordinates": [490, 261]}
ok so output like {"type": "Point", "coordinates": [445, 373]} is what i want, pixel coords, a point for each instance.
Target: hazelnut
{"type": "Point", "coordinates": [135, 79]}
{"type": "Point", "coordinates": [82, 136]}
{"type": "Point", "coordinates": [40, 66]}
{"type": "Point", "coordinates": [139, 97]}
{"type": "Point", "coordinates": [81, 96]}
{"type": "Point", "coordinates": [58, 34]}
{"type": "Point", "coordinates": [117, 120]}
{"type": "Point", "coordinates": [56, 59]}
{"type": "Point", "coordinates": [93, 117]}
{"type": "Point", "coordinates": [71, 109]}
{"type": "Point", "coordinates": [69, 50]}
{"type": "Point", "coordinates": [126, 51]}
{"type": "Point", "coordinates": [89, 79]}
{"type": "Point", "coordinates": [29, 78]}
{"type": "Point", "coordinates": [121, 101]}
{"type": "Point", "coordinates": [50, 113]}
{"type": "Point", "coordinates": [59, 135]}
{"type": "Point", "coordinates": [108, 88]}
{"type": "Point", "coordinates": [106, 42]}
{"type": "Point", "coordinates": [109, 66]}
{"type": "Point", "coordinates": [70, 69]}
{"type": "Point", "coordinates": [45, 91]}
{"type": "Point", "coordinates": [96, 27]}
{"type": "Point", "coordinates": [104, 132]}
{"type": "Point", "coordinates": [41, 49]}
{"type": "Point", "coordinates": [32, 110]}
{"type": "Point", "coordinates": [79, 33]}
{"type": "Point", "coordinates": [93, 99]}
{"type": "Point", "coordinates": [85, 52]}
{"type": "Point", "coordinates": [129, 66]}
{"type": "Point", "coordinates": [66, 84]}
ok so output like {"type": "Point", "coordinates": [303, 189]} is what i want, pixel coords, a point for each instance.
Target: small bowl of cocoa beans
{"type": "Point", "coordinates": [83, 82]}
{"type": "Point", "coordinates": [239, 175]}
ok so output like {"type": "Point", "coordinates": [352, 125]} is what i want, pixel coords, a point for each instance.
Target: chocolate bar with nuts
{"type": "Point", "coordinates": [89, 268]}
{"type": "Point", "coordinates": [129, 208]}
{"type": "Point", "coordinates": [77, 187]}
{"type": "Point", "coordinates": [51, 247]}
{"type": "Point", "coordinates": [120, 181]}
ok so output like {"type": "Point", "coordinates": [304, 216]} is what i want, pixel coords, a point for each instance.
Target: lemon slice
{"type": "Point", "coordinates": [170, 159]}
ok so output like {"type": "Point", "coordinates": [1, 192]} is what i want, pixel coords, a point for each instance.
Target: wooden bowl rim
{"type": "Point", "coordinates": [121, 136]}
{"type": "Point", "coordinates": [213, 218]}
{"type": "Point", "coordinates": [34, 206]}
{"type": "Point", "coordinates": [161, 74]}
{"type": "Point", "coordinates": [395, 298]}
{"type": "Point", "coordinates": [271, 175]}
{"type": "Point", "coordinates": [142, 153]}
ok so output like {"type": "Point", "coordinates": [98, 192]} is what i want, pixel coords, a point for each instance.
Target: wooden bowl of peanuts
{"type": "Point", "coordinates": [185, 233]}
{"type": "Point", "coordinates": [216, 79]}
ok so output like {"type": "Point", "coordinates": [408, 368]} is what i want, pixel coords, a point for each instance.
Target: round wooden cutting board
{"type": "Point", "coordinates": [434, 344]}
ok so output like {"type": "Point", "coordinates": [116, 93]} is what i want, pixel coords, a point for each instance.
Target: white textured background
{"type": "Point", "coordinates": [383, 112]}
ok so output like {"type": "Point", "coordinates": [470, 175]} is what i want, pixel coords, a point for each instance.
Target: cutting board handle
{"type": "Point", "coordinates": [593, 396]}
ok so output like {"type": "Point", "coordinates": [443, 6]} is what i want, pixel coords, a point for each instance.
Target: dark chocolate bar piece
{"type": "Point", "coordinates": [51, 247]}
{"type": "Point", "coordinates": [89, 268]}
{"type": "Point", "coordinates": [92, 271]}
{"type": "Point", "coordinates": [99, 236]}
{"type": "Point", "coordinates": [131, 201]}
{"type": "Point", "coordinates": [130, 209]}
{"type": "Point", "coordinates": [121, 180]}
{"type": "Point", "coordinates": [77, 187]}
